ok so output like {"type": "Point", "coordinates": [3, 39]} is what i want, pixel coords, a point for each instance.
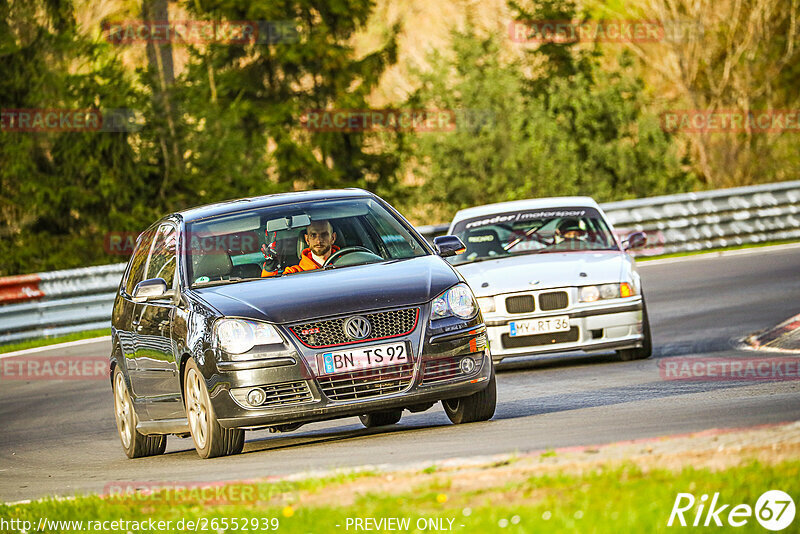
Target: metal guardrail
{"type": "Point", "coordinates": [73, 300]}
{"type": "Point", "coordinates": [712, 219]}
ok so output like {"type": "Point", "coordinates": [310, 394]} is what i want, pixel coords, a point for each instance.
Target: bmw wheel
{"type": "Point", "coordinates": [646, 350]}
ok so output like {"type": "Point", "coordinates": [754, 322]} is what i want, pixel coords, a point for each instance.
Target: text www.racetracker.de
{"type": "Point", "coordinates": [201, 524]}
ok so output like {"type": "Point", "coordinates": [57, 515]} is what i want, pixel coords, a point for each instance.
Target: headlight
{"type": "Point", "coordinates": [457, 301]}
{"type": "Point", "coordinates": [605, 291]}
{"type": "Point", "coordinates": [609, 291]}
{"type": "Point", "coordinates": [486, 304]}
{"type": "Point", "coordinates": [589, 294]}
{"type": "Point", "coordinates": [236, 336]}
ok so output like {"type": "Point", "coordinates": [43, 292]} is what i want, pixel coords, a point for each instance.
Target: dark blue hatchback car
{"type": "Point", "coordinates": [237, 316]}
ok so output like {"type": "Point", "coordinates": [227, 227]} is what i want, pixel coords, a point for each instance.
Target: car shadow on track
{"type": "Point", "coordinates": [322, 436]}
{"type": "Point", "coordinates": [660, 350]}
{"type": "Point", "coordinates": [515, 408]}
{"type": "Point", "coordinates": [609, 396]}
{"type": "Point", "coordinates": [553, 361]}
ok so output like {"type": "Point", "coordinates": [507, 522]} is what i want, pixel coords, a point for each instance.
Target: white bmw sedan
{"type": "Point", "coordinates": [551, 276]}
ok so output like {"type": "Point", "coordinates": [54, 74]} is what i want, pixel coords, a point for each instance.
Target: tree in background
{"type": "Point", "coordinates": [561, 126]}
{"type": "Point", "coordinates": [727, 55]}
{"type": "Point", "coordinates": [62, 191]}
{"type": "Point", "coordinates": [228, 125]}
{"type": "Point", "coordinates": [265, 90]}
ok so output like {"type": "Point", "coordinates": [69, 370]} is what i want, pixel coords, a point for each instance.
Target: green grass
{"type": "Point", "coordinates": [605, 499]}
{"type": "Point", "coordinates": [32, 343]}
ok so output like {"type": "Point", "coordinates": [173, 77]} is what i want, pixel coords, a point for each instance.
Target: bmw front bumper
{"type": "Point", "coordinates": [600, 326]}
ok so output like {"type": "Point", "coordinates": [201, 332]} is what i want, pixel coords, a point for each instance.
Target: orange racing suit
{"type": "Point", "coordinates": [307, 263]}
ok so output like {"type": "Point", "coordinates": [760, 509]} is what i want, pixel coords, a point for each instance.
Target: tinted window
{"type": "Point", "coordinates": [228, 248]}
{"type": "Point", "coordinates": [394, 236]}
{"type": "Point", "coordinates": [162, 261]}
{"type": "Point", "coordinates": [138, 261]}
{"type": "Point", "coordinates": [562, 229]}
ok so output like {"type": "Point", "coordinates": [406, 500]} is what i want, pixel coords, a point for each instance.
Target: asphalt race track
{"type": "Point", "coordinates": [60, 437]}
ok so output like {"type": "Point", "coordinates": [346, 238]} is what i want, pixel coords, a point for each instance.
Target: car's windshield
{"type": "Point", "coordinates": [264, 243]}
{"type": "Point", "coordinates": [535, 231]}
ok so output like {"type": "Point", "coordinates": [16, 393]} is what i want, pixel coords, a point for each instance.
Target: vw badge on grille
{"type": "Point", "coordinates": [357, 327]}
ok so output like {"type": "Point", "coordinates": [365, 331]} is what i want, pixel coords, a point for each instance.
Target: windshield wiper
{"type": "Point", "coordinates": [211, 283]}
{"type": "Point", "coordinates": [482, 258]}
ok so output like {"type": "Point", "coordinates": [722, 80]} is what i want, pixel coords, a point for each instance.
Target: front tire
{"type": "Point", "coordinates": [135, 444]}
{"type": "Point", "coordinates": [479, 406]}
{"type": "Point", "coordinates": [389, 417]}
{"type": "Point", "coordinates": [210, 438]}
{"type": "Point", "coordinates": [646, 350]}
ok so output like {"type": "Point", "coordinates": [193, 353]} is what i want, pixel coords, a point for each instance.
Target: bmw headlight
{"type": "Point", "coordinates": [605, 291]}
{"type": "Point", "coordinates": [589, 293]}
{"type": "Point", "coordinates": [458, 301]}
{"type": "Point", "coordinates": [236, 336]}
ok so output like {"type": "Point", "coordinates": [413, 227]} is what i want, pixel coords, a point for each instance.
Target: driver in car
{"type": "Point", "coordinates": [319, 238]}
{"type": "Point", "coordinates": [570, 234]}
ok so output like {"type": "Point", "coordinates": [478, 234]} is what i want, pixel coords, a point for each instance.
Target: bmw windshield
{"type": "Point", "coordinates": [536, 231]}
{"type": "Point", "coordinates": [295, 239]}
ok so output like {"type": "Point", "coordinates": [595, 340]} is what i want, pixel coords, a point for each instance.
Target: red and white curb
{"type": "Point", "coordinates": [783, 338]}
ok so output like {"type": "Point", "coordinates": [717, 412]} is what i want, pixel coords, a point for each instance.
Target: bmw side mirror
{"type": "Point", "coordinates": [636, 240]}
{"type": "Point", "coordinates": [448, 245]}
{"type": "Point", "coordinates": [152, 289]}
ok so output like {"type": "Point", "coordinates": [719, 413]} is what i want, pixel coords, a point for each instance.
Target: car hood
{"type": "Point", "coordinates": [305, 296]}
{"type": "Point", "coordinates": [544, 271]}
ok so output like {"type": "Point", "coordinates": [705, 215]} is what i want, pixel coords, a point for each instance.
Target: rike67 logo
{"type": "Point", "coordinates": [774, 510]}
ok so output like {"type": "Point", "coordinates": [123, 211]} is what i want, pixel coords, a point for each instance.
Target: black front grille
{"type": "Point", "coordinates": [557, 300]}
{"type": "Point", "coordinates": [444, 369]}
{"type": "Point", "coordinates": [539, 339]}
{"type": "Point", "coordinates": [520, 304]}
{"type": "Point", "coordinates": [330, 333]}
{"type": "Point", "coordinates": [367, 383]}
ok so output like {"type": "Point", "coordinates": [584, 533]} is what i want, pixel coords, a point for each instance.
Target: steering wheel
{"type": "Point", "coordinates": [339, 253]}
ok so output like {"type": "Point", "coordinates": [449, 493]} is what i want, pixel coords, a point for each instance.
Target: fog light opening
{"type": "Point", "coordinates": [256, 397]}
{"type": "Point", "coordinates": [467, 365]}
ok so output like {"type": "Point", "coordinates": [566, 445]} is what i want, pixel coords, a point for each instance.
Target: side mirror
{"type": "Point", "coordinates": [448, 245]}
{"type": "Point", "coordinates": [152, 289]}
{"type": "Point", "coordinates": [636, 240]}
